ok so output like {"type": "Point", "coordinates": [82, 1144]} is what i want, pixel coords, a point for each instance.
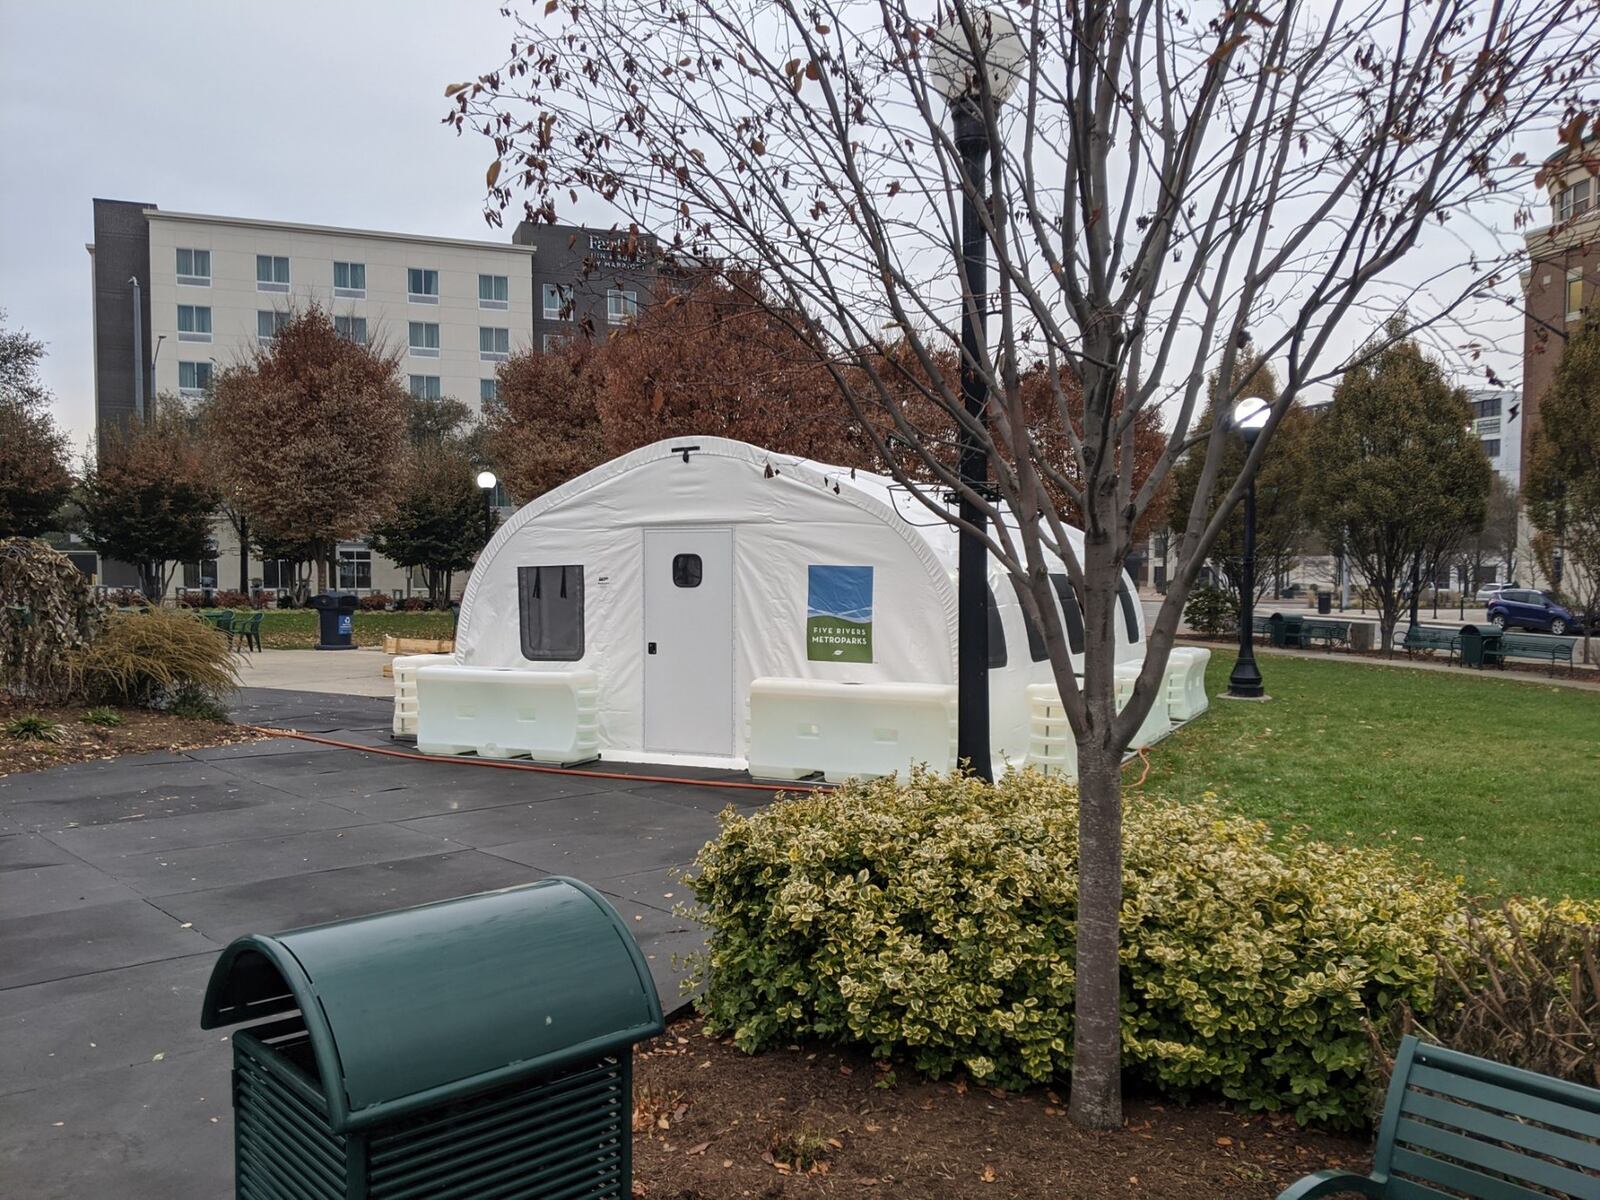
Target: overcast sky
{"type": "Point", "coordinates": [319, 112]}
{"type": "Point", "coordinates": [325, 113]}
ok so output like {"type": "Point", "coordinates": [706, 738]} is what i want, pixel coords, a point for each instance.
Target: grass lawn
{"type": "Point", "coordinates": [296, 628]}
{"type": "Point", "coordinates": [1496, 779]}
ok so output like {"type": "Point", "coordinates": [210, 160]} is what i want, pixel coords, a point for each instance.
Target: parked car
{"type": "Point", "coordinates": [1489, 590]}
{"type": "Point", "coordinates": [1520, 608]}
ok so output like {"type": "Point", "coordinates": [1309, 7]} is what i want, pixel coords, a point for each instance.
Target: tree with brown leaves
{"type": "Point", "coordinates": [148, 496]}
{"type": "Point", "coordinates": [312, 432]}
{"type": "Point", "coordinates": [34, 480]}
{"type": "Point", "coordinates": [1157, 189]}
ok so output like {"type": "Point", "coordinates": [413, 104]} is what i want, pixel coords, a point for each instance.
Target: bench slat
{"type": "Point", "coordinates": [1491, 1124]}
{"type": "Point", "coordinates": [1459, 1179]}
{"type": "Point", "coordinates": [1582, 1121]}
{"type": "Point", "coordinates": [1502, 1160]}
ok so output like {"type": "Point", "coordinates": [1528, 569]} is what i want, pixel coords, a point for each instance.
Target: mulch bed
{"type": "Point", "coordinates": [712, 1123]}
{"type": "Point", "coordinates": [141, 732]}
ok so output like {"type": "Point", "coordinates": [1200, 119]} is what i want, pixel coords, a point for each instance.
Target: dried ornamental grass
{"type": "Point", "coordinates": [145, 659]}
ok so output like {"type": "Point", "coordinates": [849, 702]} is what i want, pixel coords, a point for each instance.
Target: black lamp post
{"type": "Point", "coordinates": [1249, 417]}
{"type": "Point", "coordinates": [959, 55]}
{"type": "Point", "coordinates": [486, 482]}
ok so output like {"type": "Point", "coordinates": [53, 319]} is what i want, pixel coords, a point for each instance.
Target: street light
{"type": "Point", "coordinates": [973, 47]}
{"type": "Point", "coordinates": [1249, 418]}
{"type": "Point", "coordinates": [486, 482]}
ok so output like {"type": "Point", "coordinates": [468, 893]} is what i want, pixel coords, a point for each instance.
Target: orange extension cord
{"type": "Point", "coordinates": [506, 764]}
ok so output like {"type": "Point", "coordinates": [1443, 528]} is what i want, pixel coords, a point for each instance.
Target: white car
{"type": "Point", "coordinates": [1489, 590]}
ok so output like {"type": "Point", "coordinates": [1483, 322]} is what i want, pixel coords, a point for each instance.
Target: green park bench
{"type": "Point", "coordinates": [1541, 649]}
{"type": "Point", "coordinates": [1455, 1125]}
{"type": "Point", "coordinates": [1260, 626]}
{"type": "Point", "coordinates": [1425, 639]}
{"type": "Point", "coordinates": [1329, 633]}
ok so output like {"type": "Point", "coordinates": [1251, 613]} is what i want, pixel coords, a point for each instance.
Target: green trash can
{"type": "Point", "coordinates": [1480, 646]}
{"type": "Point", "coordinates": [474, 1047]}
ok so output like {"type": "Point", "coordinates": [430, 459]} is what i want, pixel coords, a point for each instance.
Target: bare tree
{"type": "Point", "coordinates": [1168, 189]}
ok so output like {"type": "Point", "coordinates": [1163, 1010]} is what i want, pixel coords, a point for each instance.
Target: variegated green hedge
{"type": "Point", "coordinates": [931, 920]}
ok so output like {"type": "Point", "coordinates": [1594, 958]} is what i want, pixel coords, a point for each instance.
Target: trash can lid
{"type": "Point", "coordinates": [412, 1008]}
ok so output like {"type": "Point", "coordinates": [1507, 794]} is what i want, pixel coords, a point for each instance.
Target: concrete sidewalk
{"type": "Point", "coordinates": [334, 672]}
{"type": "Point", "coordinates": [120, 880]}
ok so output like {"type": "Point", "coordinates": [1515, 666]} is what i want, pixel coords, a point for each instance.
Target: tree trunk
{"type": "Point", "coordinates": [321, 560]}
{"type": "Point", "coordinates": [1096, 1098]}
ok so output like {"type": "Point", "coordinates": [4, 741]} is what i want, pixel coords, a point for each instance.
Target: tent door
{"type": "Point", "coordinates": [688, 635]}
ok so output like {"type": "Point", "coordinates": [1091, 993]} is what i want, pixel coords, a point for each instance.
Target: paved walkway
{"type": "Point", "coordinates": [120, 881]}
{"type": "Point", "coordinates": [338, 672]}
{"type": "Point", "coordinates": [1586, 679]}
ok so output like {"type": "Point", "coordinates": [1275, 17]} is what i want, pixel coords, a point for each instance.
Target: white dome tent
{"type": "Point", "coordinates": [703, 601]}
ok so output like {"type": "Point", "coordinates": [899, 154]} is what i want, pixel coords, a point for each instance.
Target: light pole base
{"type": "Point", "coordinates": [1253, 699]}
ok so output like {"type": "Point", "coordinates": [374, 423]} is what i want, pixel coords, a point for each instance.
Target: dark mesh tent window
{"type": "Point", "coordinates": [997, 634]}
{"type": "Point", "coordinates": [550, 611]}
{"type": "Point", "coordinates": [1071, 613]}
{"type": "Point", "coordinates": [1130, 617]}
{"type": "Point", "coordinates": [1036, 647]}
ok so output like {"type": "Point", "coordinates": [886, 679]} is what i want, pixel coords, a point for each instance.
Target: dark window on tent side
{"type": "Point", "coordinates": [1070, 612]}
{"type": "Point", "coordinates": [1036, 647]}
{"type": "Point", "coordinates": [550, 611]}
{"type": "Point", "coordinates": [997, 634]}
{"type": "Point", "coordinates": [1130, 615]}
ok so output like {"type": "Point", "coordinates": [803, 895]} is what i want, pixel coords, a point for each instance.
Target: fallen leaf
{"type": "Point", "coordinates": [1224, 1141]}
{"type": "Point", "coordinates": [700, 1149]}
{"type": "Point", "coordinates": [988, 1175]}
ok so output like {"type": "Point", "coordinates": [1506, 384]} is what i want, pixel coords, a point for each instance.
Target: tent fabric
{"type": "Point", "coordinates": [788, 517]}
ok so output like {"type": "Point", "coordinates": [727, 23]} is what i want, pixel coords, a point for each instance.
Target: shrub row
{"type": "Point", "coordinates": [932, 921]}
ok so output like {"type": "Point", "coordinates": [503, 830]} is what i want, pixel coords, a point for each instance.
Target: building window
{"type": "Point", "coordinates": [1488, 425]}
{"type": "Point", "coordinates": [194, 267]}
{"type": "Point", "coordinates": [1573, 200]}
{"type": "Point", "coordinates": [194, 323]}
{"type": "Point", "coordinates": [550, 608]}
{"type": "Point", "coordinates": [425, 387]}
{"type": "Point", "coordinates": [554, 341]}
{"type": "Point", "coordinates": [269, 324]}
{"type": "Point", "coordinates": [278, 573]}
{"type": "Point", "coordinates": [194, 378]}
{"type": "Point", "coordinates": [355, 568]}
{"type": "Point", "coordinates": [272, 273]}
{"type": "Point", "coordinates": [489, 391]}
{"type": "Point", "coordinates": [350, 280]}
{"type": "Point", "coordinates": [494, 291]}
{"type": "Point", "coordinates": [1575, 294]}
{"type": "Point", "coordinates": [557, 301]}
{"type": "Point", "coordinates": [621, 306]}
{"type": "Point", "coordinates": [1491, 447]}
{"type": "Point", "coordinates": [351, 329]}
{"type": "Point", "coordinates": [1486, 408]}
{"type": "Point", "coordinates": [422, 286]}
{"type": "Point", "coordinates": [494, 345]}
{"type": "Point", "coordinates": [202, 574]}
{"type": "Point", "coordinates": [499, 497]}
{"type": "Point", "coordinates": [424, 339]}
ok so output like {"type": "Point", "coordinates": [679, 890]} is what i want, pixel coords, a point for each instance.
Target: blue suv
{"type": "Point", "coordinates": [1516, 608]}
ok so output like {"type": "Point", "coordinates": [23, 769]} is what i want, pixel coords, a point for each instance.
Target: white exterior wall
{"type": "Point", "coordinates": [234, 298]}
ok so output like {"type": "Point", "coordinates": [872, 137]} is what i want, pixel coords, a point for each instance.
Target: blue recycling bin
{"type": "Point", "coordinates": [336, 619]}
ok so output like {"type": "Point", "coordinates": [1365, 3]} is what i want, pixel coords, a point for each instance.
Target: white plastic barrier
{"type": "Point", "coordinates": [1052, 747]}
{"type": "Point", "coordinates": [1186, 682]}
{"type": "Point", "coordinates": [548, 716]}
{"type": "Point", "coordinates": [802, 726]}
{"type": "Point", "coordinates": [1156, 724]}
{"type": "Point", "coordinates": [404, 669]}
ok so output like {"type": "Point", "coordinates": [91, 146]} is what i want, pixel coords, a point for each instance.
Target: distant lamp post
{"type": "Point", "coordinates": [963, 58]}
{"type": "Point", "coordinates": [1249, 418]}
{"type": "Point", "coordinates": [486, 482]}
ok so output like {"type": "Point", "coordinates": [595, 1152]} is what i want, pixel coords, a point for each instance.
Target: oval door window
{"type": "Point", "coordinates": [686, 570]}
